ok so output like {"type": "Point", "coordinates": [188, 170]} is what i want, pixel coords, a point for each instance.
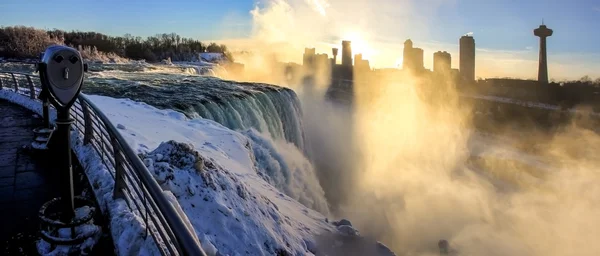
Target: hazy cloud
{"type": "Point", "coordinates": [377, 29]}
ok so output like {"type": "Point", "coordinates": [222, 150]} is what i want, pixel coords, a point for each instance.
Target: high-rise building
{"type": "Point", "coordinates": [357, 59]}
{"type": "Point", "coordinates": [412, 58]}
{"type": "Point", "coordinates": [442, 62]}
{"type": "Point", "coordinates": [407, 54]}
{"type": "Point", "coordinates": [418, 59]}
{"type": "Point", "coordinates": [542, 32]}
{"type": "Point", "coordinates": [346, 54]}
{"type": "Point", "coordinates": [360, 63]}
{"type": "Point", "coordinates": [467, 58]}
{"type": "Point", "coordinates": [321, 61]}
{"type": "Point", "coordinates": [308, 58]}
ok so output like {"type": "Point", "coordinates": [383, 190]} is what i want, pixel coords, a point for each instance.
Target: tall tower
{"type": "Point", "coordinates": [442, 62]}
{"type": "Point", "coordinates": [543, 32]}
{"type": "Point", "coordinates": [407, 55]}
{"type": "Point", "coordinates": [308, 58]}
{"type": "Point", "coordinates": [334, 51]}
{"type": "Point", "coordinates": [412, 58]}
{"type": "Point", "coordinates": [418, 59]}
{"type": "Point", "coordinates": [346, 54]}
{"type": "Point", "coordinates": [467, 58]}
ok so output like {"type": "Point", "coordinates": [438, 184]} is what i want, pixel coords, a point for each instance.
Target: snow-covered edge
{"type": "Point", "coordinates": [125, 225]}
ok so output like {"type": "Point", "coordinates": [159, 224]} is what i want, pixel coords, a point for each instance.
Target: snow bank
{"type": "Point", "coordinates": [211, 170]}
{"type": "Point", "coordinates": [212, 56]}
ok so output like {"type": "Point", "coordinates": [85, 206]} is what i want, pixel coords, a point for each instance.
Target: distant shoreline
{"type": "Point", "coordinates": [27, 61]}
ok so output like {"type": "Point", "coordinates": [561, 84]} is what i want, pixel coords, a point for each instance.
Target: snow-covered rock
{"type": "Point", "coordinates": [342, 222]}
{"type": "Point", "coordinates": [222, 209]}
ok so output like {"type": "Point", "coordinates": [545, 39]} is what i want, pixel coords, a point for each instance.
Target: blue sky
{"type": "Point", "coordinates": [499, 27]}
{"type": "Point", "coordinates": [189, 18]}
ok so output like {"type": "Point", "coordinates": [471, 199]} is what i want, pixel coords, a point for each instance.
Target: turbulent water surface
{"type": "Point", "coordinates": [236, 105]}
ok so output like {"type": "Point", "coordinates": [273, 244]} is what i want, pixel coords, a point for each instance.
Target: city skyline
{"type": "Point", "coordinates": [505, 45]}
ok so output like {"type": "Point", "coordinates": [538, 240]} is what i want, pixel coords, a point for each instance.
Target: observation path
{"type": "Point", "coordinates": [27, 181]}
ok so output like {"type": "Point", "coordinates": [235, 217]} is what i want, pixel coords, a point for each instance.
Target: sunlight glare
{"type": "Point", "coordinates": [360, 44]}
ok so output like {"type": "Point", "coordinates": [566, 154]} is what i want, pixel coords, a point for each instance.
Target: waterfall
{"type": "Point", "coordinates": [276, 112]}
{"type": "Point", "coordinates": [269, 116]}
{"type": "Point", "coordinates": [239, 106]}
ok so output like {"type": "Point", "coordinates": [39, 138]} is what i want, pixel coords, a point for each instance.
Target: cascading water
{"type": "Point", "coordinates": [238, 106]}
{"type": "Point", "coordinates": [269, 116]}
{"type": "Point", "coordinates": [275, 112]}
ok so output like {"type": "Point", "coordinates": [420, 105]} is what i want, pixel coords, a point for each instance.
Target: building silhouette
{"type": "Point", "coordinates": [467, 58]}
{"type": "Point", "coordinates": [542, 32]}
{"type": "Point", "coordinates": [321, 61]}
{"type": "Point", "coordinates": [346, 54]}
{"type": "Point", "coordinates": [360, 63]}
{"type": "Point", "coordinates": [334, 51]}
{"type": "Point", "coordinates": [412, 58]}
{"type": "Point", "coordinates": [442, 62]}
{"type": "Point", "coordinates": [308, 58]}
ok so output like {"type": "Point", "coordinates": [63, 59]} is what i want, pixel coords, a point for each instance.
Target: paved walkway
{"type": "Point", "coordinates": [25, 181]}
{"type": "Point", "coordinates": [28, 180]}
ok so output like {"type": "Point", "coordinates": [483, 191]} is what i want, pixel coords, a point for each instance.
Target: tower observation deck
{"type": "Point", "coordinates": [542, 32]}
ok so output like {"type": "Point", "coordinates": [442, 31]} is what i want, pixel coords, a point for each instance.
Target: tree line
{"type": "Point", "coordinates": [28, 42]}
{"type": "Point", "coordinates": [563, 93]}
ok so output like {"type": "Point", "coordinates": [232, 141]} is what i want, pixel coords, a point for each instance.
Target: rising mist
{"type": "Point", "coordinates": [409, 168]}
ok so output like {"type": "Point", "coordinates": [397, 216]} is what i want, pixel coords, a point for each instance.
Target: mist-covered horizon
{"type": "Point", "coordinates": [506, 46]}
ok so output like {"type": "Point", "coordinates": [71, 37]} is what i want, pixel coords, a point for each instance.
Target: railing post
{"type": "Point", "coordinates": [46, 112]}
{"type": "Point", "coordinates": [31, 88]}
{"type": "Point", "coordinates": [16, 83]}
{"type": "Point", "coordinates": [88, 132]}
{"type": "Point", "coordinates": [1, 86]}
{"type": "Point", "coordinates": [119, 171]}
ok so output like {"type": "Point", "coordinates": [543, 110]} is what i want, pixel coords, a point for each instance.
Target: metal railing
{"type": "Point", "coordinates": [133, 182]}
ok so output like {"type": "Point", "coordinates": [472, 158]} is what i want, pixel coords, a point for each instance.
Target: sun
{"type": "Point", "coordinates": [360, 44]}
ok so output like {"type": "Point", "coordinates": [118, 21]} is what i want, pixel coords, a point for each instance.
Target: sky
{"type": "Point", "coordinates": [502, 29]}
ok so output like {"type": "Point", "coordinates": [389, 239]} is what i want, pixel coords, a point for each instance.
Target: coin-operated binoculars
{"type": "Point", "coordinates": [61, 72]}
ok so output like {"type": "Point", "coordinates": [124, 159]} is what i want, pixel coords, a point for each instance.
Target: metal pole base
{"type": "Point", "coordinates": [50, 215]}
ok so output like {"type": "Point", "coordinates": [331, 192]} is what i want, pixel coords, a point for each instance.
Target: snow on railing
{"type": "Point", "coordinates": [133, 182]}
